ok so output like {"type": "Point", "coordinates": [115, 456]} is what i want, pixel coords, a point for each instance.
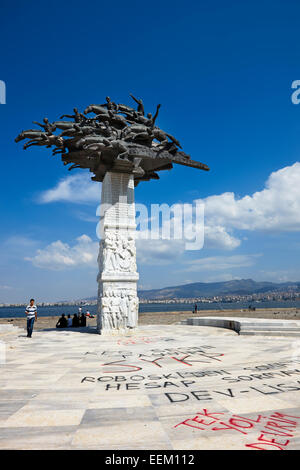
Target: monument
{"type": "Point", "coordinates": [121, 147]}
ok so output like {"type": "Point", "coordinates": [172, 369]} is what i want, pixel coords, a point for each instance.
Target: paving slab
{"type": "Point", "coordinates": [165, 387]}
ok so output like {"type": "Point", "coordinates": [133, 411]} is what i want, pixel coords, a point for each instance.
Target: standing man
{"type": "Point", "coordinates": [31, 313]}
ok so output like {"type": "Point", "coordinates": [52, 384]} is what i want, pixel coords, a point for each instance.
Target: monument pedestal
{"type": "Point", "coordinates": [117, 310]}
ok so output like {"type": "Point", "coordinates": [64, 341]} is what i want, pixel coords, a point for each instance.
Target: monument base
{"type": "Point", "coordinates": [117, 312]}
{"type": "Point", "coordinates": [117, 332]}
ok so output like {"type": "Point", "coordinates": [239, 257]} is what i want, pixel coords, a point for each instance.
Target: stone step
{"type": "Point", "coordinates": [270, 333]}
{"type": "Point", "coordinates": [269, 328]}
{"type": "Point", "coordinates": [278, 325]}
{"type": "Point", "coordinates": [244, 327]}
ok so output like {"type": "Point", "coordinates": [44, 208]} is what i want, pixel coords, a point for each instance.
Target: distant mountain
{"type": "Point", "coordinates": [210, 289]}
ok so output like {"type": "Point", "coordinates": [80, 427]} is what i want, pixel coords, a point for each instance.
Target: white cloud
{"type": "Point", "coordinates": [16, 242]}
{"type": "Point", "coordinates": [59, 255]}
{"type": "Point", "coordinates": [86, 217]}
{"type": "Point", "coordinates": [159, 252]}
{"type": "Point", "coordinates": [276, 208]}
{"type": "Point", "coordinates": [216, 236]}
{"type": "Point", "coordinates": [280, 275]}
{"type": "Point", "coordinates": [220, 263]}
{"type": "Point", "coordinates": [221, 277]}
{"type": "Point", "coordinates": [14, 248]}
{"type": "Point", "coordinates": [77, 188]}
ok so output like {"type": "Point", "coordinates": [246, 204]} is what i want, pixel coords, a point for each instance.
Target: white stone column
{"type": "Point", "coordinates": [117, 279]}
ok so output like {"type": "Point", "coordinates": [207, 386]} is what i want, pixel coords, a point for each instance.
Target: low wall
{"type": "Point", "coordinates": [216, 322]}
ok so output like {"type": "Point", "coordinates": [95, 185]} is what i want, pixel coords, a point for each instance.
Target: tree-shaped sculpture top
{"type": "Point", "coordinates": [118, 139]}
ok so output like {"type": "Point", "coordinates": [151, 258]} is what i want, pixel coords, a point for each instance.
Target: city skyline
{"type": "Point", "coordinates": [275, 295]}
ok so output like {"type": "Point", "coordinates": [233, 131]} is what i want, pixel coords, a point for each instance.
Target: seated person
{"type": "Point", "coordinates": [82, 319]}
{"type": "Point", "coordinates": [62, 322]}
{"type": "Point", "coordinates": [69, 320]}
{"type": "Point", "coordinates": [75, 321]}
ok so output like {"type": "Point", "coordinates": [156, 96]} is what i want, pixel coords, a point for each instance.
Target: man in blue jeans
{"type": "Point", "coordinates": [31, 313]}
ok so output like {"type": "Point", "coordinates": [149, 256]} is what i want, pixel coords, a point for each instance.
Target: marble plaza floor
{"type": "Point", "coordinates": [165, 387]}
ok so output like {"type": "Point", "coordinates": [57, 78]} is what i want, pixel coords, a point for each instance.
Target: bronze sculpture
{"type": "Point", "coordinates": [117, 139]}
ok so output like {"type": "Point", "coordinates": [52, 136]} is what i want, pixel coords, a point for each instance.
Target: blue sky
{"type": "Point", "coordinates": [223, 73]}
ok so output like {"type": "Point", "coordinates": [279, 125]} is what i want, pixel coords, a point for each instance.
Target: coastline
{"type": "Point", "coordinates": [168, 318]}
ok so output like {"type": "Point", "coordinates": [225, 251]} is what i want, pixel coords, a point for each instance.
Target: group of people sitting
{"type": "Point", "coordinates": [67, 322]}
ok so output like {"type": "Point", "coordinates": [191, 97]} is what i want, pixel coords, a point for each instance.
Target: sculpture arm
{"type": "Point", "coordinates": [39, 124]}
{"type": "Point", "coordinates": [135, 99]}
{"type": "Point", "coordinates": [156, 114]}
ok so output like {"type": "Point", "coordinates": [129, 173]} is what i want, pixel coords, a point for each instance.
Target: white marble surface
{"type": "Point", "coordinates": [117, 278]}
{"type": "Point", "coordinates": [149, 390]}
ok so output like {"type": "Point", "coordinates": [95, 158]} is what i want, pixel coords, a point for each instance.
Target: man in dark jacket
{"type": "Point", "coordinates": [82, 319]}
{"type": "Point", "coordinates": [62, 322]}
{"type": "Point", "coordinates": [75, 321]}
